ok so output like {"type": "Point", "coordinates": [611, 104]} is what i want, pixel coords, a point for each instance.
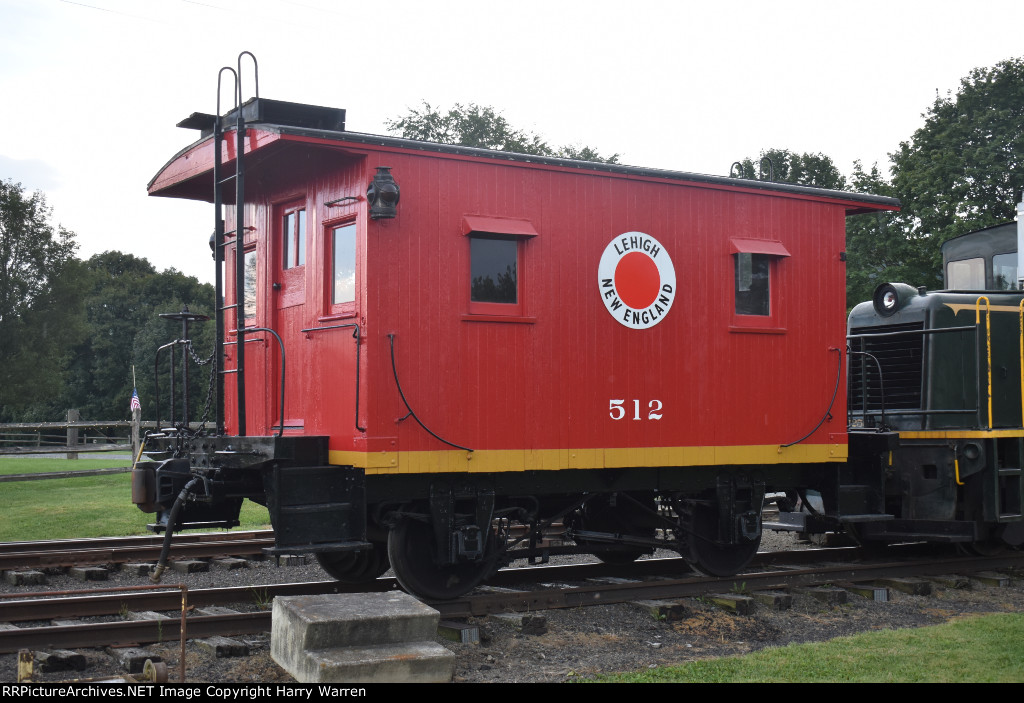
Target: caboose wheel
{"type": "Point", "coordinates": [411, 548]}
{"type": "Point", "coordinates": [706, 554]}
{"type": "Point", "coordinates": [355, 567]}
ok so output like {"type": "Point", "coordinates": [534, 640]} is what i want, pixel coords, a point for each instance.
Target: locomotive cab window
{"type": "Point", "coordinates": [966, 274]}
{"type": "Point", "coordinates": [496, 261]}
{"type": "Point", "coordinates": [1004, 271]}
{"type": "Point", "coordinates": [755, 284]}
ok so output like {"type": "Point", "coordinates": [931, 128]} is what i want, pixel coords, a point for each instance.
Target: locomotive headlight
{"type": "Point", "coordinates": [890, 297]}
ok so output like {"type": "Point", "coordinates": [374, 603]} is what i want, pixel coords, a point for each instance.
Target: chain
{"type": "Point", "coordinates": [211, 386]}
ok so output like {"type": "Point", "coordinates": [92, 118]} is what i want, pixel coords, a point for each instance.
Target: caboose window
{"type": "Point", "coordinates": [756, 266]}
{"type": "Point", "coordinates": [497, 247]}
{"type": "Point", "coordinates": [293, 238]}
{"type": "Point", "coordinates": [494, 270]}
{"type": "Point", "coordinates": [343, 264]}
{"type": "Point", "coordinates": [249, 292]}
{"type": "Point", "coordinates": [753, 284]}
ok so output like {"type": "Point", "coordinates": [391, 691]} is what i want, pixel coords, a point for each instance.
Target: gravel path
{"type": "Point", "coordinates": [581, 642]}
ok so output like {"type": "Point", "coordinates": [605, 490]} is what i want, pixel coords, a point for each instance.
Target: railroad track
{"type": "Point", "coordinates": [649, 579]}
{"type": "Point", "coordinates": [123, 550]}
{"type": "Point", "coordinates": [145, 548]}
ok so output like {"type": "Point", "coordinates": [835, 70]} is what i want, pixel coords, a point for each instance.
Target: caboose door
{"type": "Point", "coordinates": [289, 270]}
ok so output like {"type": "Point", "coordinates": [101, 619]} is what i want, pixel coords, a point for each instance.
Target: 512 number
{"type": "Point", "coordinates": [617, 409]}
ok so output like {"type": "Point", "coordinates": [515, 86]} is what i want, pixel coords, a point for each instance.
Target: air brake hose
{"type": "Point", "coordinates": [172, 520]}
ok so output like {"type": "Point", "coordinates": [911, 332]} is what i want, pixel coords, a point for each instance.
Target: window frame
{"type": "Point", "coordinates": [520, 231]}
{"type": "Point", "coordinates": [775, 252]}
{"type": "Point", "coordinates": [296, 241]}
{"type": "Point", "coordinates": [348, 308]}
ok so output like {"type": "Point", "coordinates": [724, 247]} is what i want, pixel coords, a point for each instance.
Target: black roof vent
{"type": "Point", "coordinates": [277, 112]}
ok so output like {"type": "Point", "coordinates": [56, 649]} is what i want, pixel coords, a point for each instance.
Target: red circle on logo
{"type": "Point", "coordinates": [637, 280]}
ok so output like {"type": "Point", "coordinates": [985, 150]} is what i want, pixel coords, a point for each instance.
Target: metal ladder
{"type": "Point", "coordinates": [220, 182]}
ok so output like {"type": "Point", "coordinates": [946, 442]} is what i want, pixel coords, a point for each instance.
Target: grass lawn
{"type": "Point", "coordinates": [67, 508]}
{"type": "Point", "coordinates": [976, 649]}
{"type": "Point", "coordinates": [28, 465]}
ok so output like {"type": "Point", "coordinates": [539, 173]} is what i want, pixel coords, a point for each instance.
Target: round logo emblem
{"type": "Point", "coordinates": [637, 280]}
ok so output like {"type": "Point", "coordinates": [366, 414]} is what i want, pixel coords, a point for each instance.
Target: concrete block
{"type": "Point", "coordinates": [528, 623]}
{"type": "Point", "coordinates": [668, 610]}
{"type": "Point", "coordinates": [230, 563]}
{"type": "Point", "coordinates": [148, 615]}
{"type": "Point", "coordinates": [915, 587]}
{"type": "Point", "coordinates": [459, 632]}
{"type": "Point", "coordinates": [140, 569]}
{"type": "Point", "coordinates": [215, 610]}
{"type": "Point", "coordinates": [190, 566]}
{"type": "Point", "coordinates": [88, 573]}
{"type": "Point", "coordinates": [27, 577]}
{"type": "Point", "coordinates": [776, 600]}
{"type": "Point", "coordinates": [879, 594]}
{"type": "Point", "coordinates": [364, 637]}
{"type": "Point", "coordinates": [741, 605]}
{"type": "Point", "coordinates": [60, 660]}
{"type": "Point", "coordinates": [351, 620]}
{"type": "Point", "coordinates": [133, 659]}
{"type": "Point", "coordinates": [832, 596]}
{"type": "Point", "coordinates": [952, 581]}
{"type": "Point", "coordinates": [990, 578]}
{"type": "Point", "coordinates": [223, 647]}
{"type": "Point", "coordinates": [417, 662]}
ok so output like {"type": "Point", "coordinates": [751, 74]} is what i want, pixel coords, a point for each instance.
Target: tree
{"type": "Point", "coordinates": [877, 250]}
{"type": "Point", "coordinates": [124, 296]}
{"type": "Point", "coordinates": [816, 170]}
{"type": "Point", "coordinates": [40, 309]}
{"type": "Point", "coordinates": [482, 127]}
{"type": "Point", "coordinates": [964, 169]}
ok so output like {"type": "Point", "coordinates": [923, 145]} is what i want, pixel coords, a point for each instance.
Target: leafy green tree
{"type": "Point", "coordinates": [806, 169]}
{"type": "Point", "coordinates": [877, 250]}
{"type": "Point", "coordinates": [123, 298]}
{"type": "Point", "coordinates": [963, 170]}
{"type": "Point", "coordinates": [483, 127]}
{"type": "Point", "coordinates": [40, 309]}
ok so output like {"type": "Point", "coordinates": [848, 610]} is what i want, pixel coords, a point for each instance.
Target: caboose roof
{"type": "Point", "coordinates": [275, 126]}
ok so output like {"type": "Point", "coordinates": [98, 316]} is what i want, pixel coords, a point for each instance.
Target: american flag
{"type": "Point", "coordinates": [136, 405]}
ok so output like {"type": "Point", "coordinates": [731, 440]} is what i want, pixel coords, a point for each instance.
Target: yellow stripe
{"type": "Point", "coordinates": [958, 308]}
{"type": "Point", "coordinates": [961, 434]}
{"type": "Point", "coordinates": [553, 459]}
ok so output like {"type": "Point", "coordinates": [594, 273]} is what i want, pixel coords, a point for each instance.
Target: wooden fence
{"type": "Point", "coordinates": [74, 436]}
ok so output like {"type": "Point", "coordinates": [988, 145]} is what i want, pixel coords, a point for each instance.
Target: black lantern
{"type": "Point", "coordinates": [382, 194]}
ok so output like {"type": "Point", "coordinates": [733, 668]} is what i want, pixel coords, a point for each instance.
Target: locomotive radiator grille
{"type": "Point", "coordinates": [901, 357]}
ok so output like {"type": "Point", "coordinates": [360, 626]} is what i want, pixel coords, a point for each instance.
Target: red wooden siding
{"type": "Point", "coordinates": [536, 387]}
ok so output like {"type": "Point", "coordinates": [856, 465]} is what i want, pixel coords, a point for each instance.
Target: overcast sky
{"type": "Point", "coordinates": [90, 91]}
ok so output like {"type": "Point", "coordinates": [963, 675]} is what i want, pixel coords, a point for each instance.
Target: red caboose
{"type": "Point", "coordinates": [473, 338]}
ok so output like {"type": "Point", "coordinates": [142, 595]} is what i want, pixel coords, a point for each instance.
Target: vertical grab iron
{"type": "Point", "coordinates": [219, 236]}
{"type": "Point", "coordinates": [218, 241]}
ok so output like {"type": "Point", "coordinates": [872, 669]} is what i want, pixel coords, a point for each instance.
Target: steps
{"type": "Point", "coordinates": [359, 638]}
